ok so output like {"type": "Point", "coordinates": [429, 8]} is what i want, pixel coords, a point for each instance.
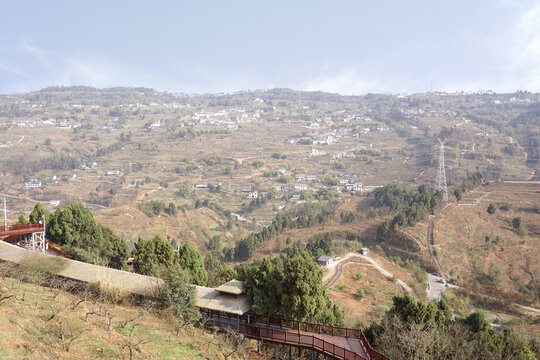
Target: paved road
{"type": "Point", "coordinates": [335, 269]}
{"type": "Point", "coordinates": [436, 286]}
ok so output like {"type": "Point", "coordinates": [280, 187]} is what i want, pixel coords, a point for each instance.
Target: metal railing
{"type": "Point", "coordinates": [306, 326]}
{"type": "Point", "coordinates": [300, 340]}
{"type": "Point", "coordinates": [279, 330]}
{"type": "Point", "coordinates": [19, 229]}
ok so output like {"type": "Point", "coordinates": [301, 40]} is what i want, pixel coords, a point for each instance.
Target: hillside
{"type": "Point", "coordinates": [39, 322]}
{"type": "Point", "coordinates": [267, 173]}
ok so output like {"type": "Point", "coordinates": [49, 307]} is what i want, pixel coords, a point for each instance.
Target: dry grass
{"type": "Point", "coordinates": [42, 323]}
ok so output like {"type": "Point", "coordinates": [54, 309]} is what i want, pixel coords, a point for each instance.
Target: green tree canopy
{"type": "Point", "coordinates": [37, 213]}
{"type": "Point", "coordinates": [289, 287]}
{"type": "Point", "coordinates": [192, 261]}
{"type": "Point", "coordinates": [22, 220]}
{"type": "Point", "coordinates": [83, 239]}
{"type": "Point", "coordinates": [218, 272]}
{"type": "Point", "coordinates": [179, 295]}
{"type": "Point", "coordinates": [153, 257]}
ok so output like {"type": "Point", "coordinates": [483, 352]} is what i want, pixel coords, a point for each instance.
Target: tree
{"type": "Point", "coordinates": [83, 239]}
{"type": "Point", "coordinates": [416, 330]}
{"type": "Point", "coordinates": [179, 295]}
{"type": "Point", "coordinates": [74, 223]}
{"type": "Point", "coordinates": [304, 295]}
{"type": "Point", "coordinates": [37, 213]}
{"type": "Point", "coordinates": [214, 243]}
{"type": "Point", "coordinates": [496, 274]}
{"type": "Point", "coordinates": [22, 220]}
{"type": "Point", "coordinates": [491, 209]}
{"type": "Point", "coordinates": [153, 257]}
{"type": "Point", "coordinates": [192, 261]}
{"type": "Point", "coordinates": [516, 223]}
{"type": "Point", "coordinates": [259, 163]}
{"type": "Point", "coordinates": [458, 194]}
{"type": "Point", "coordinates": [218, 272]}
{"type": "Point", "coordinates": [116, 249]}
{"type": "Point", "coordinates": [382, 231]}
{"type": "Point", "coordinates": [172, 210]}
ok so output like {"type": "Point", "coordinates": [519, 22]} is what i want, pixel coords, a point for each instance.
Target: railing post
{"type": "Point", "coordinates": [332, 330]}
{"type": "Point", "coordinates": [319, 328]}
{"type": "Point", "coordinates": [346, 332]}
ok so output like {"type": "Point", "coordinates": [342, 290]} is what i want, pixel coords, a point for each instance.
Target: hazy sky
{"type": "Point", "coordinates": [350, 47]}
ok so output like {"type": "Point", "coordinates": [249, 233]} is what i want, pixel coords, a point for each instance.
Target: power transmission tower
{"type": "Point", "coordinates": [441, 173]}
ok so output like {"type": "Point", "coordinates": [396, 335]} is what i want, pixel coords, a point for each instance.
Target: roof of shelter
{"type": "Point", "coordinates": [234, 287]}
{"type": "Point", "coordinates": [212, 299]}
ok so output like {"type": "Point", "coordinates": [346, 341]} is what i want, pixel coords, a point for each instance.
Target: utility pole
{"type": "Point", "coordinates": [441, 173]}
{"type": "Point", "coordinates": [5, 213]}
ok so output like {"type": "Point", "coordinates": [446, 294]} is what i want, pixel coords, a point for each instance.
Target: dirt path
{"type": "Point", "coordinates": [432, 220]}
{"type": "Point", "coordinates": [335, 270]}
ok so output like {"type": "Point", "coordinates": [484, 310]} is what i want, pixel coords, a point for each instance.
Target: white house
{"type": "Point", "coordinates": [33, 184]}
{"type": "Point", "coordinates": [300, 187]}
{"type": "Point", "coordinates": [354, 187]}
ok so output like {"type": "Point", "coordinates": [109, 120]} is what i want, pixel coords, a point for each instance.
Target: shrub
{"type": "Point", "coordinates": [109, 293]}
{"type": "Point", "coordinates": [381, 309]}
{"type": "Point", "coordinates": [360, 294]}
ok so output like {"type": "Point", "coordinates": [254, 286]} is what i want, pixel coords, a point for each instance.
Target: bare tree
{"type": "Point", "coordinates": [66, 334]}
{"type": "Point", "coordinates": [231, 344]}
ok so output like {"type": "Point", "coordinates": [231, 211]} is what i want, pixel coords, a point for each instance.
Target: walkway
{"type": "Point", "coordinates": [20, 229]}
{"type": "Point", "coordinates": [332, 341]}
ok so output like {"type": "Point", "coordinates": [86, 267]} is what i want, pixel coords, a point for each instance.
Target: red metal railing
{"type": "Point", "coordinates": [276, 329]}
{"type": "Point", "coordinates": [374, 354]}
{"type": "Point", "coordinates": [300, 340]}
{"type": "Point", "coordinates": [20, 229]}
{"type": "Point", "coordinates": [53, 248]}
{"type": "Point", "coordinates": [11, 231]}
{"type": "Point", "coordinates": [307, 326]}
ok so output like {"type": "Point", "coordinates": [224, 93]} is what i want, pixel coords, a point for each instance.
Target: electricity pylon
{"type": "Point", "coordinates": [441, 173]}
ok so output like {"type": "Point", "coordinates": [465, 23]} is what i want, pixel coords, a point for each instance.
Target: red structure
{"type": "Point", "coordinates": [11, 232]}
{"type": "Point", "coordinates": [332, 341]}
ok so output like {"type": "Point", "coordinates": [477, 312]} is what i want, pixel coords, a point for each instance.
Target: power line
{"type": "Point", "coordinates": [441, 173]}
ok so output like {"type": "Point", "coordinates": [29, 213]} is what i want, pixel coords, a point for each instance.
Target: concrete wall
{"type": "Point", "coordinates": [76, 270]}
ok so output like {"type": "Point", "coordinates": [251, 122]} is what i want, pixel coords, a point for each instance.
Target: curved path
{"type": "Point", "coordinates": [334, 275]}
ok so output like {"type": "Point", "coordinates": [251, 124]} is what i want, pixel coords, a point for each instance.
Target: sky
{"type": "Point", "coordinates": [346, 47]}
